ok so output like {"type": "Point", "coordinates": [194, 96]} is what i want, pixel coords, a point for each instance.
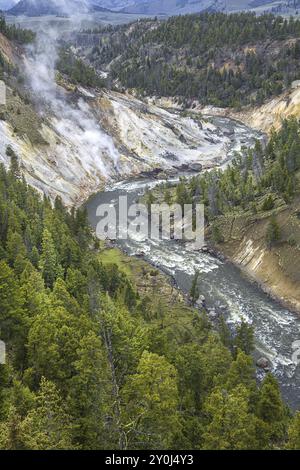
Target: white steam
{"type": "Point", "coordinates": [73, 122]}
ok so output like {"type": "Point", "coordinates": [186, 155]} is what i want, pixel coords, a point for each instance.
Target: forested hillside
{"type": "Point", "coordinates": [18, 36]}
{"type": "Point", "coordinates": [218, 59]}
{"type": "Point", "coordinates": [115, 369]}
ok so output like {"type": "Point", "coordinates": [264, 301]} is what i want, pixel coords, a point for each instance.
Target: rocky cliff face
{"type": "Point", "coordinates": [271, 114]}
{"type": "Point", "coordinates": [264, 118]}
{"type": "Point", "coordinates": [61, 157]}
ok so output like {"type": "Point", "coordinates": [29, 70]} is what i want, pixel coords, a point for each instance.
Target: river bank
{"type": "Point", "coordinates": [220, 254]}
{"type": "Point", "coordinates": [273, 268]}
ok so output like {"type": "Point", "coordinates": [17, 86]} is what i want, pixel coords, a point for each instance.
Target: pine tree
{"type": "Point", "coordinates": [244, 338]}
{"type": "Point", "coordinates": [151, 398]}
{"type": "Point", "coordinates": [194, 291]}
{"type": "Point", "coordinates": [10, 303]}
{"type": "Point", "coordinates": [271, 409]}
{"type": "Point", "coordinates": [294, 433]}
{"type": "Point", "coordinates": [273, 232]}
{"type": "Point", "coordinates": [48, 426]}
{"type": "Point", "coordinates": [49, 265]}
{"type": "Point", "coordinates": [90, 396]}
{"type": "Point", "coordinates": [231, 425]}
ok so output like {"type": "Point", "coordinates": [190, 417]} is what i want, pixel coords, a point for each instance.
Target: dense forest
{"type": "Point", "coordinates": [91, 364]}
{"type": "Point", "coordinates": [218, 59]}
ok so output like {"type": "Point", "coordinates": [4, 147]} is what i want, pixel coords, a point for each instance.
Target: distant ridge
{"type": "Point", "coordinates": [54, 7]}
{"type": "Point", "coordinates": [176, 7]}
{"type": "Point", "coordinates": [150, 7]}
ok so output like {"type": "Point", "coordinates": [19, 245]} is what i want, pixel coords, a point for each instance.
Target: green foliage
{"type": "Point", "coordinates": [231, 425]}
{"type": "Point", "coordinates": [272, 411]}
{"type": "Point", "coordinates": [152, 403]}
{"type": "Point", "coordinates": [93, 365]}
{"type": "Point", "coordinates": [258, 179]}
{"type": "Point", "coordinates": [244, 339]}
{"type": "Point", "coordinates": [194, 291]}
{"type": "Point", "coordinates": [77, 70]}
{"type": "Point", "coordinates": [268, 204]}
{"type": "Point", "coordinates": [217, 234]}
{"type": "Point", "coordinates": [294, 433]}
{"type": "Point", "coordinates": [48, 425]}
{"type": "Point", "coordinates": [215, 58]}
{"type": "Point", "coordinates": [15, 33]}
{"type": "Point", "coordinates": [49, 264]}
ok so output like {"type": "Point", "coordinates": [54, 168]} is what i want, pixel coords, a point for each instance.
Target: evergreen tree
{"type": "Point", "coordinates": [151, 398]}
{"type": "Point", "coordinates": [48, 264]}
{"type": "Point", "coordinates": [231, 425]}
{"type": "Point", "coordinates": [273, 232]}
{"type": "Point", "coordinates": [271, 410]}
{"type": "Point", "coordinates": [294, 433]}
{"type": "Point", "coordinates": [244, 338]}
{"type": "Point", "coordinates": [194, 291]}
{"type": "Point", "coordinates": [48, 426]}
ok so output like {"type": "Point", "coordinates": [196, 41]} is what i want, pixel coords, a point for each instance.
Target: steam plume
{"type": "Point", "coordinates": [73, 122]}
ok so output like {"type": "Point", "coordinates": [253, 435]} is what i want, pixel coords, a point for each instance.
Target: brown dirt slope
{"type": "Point", "coordinates": [276, 268]}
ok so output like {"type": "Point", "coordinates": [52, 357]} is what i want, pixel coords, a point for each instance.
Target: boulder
{"type": "Point", "coordinates": [201, 301]}
{"type": "Point", "coordinates": [196, 167]}
{"type": "Point", "coordinates": [212, 313]}
{"type": "Point", "coordinates": [263, 363]}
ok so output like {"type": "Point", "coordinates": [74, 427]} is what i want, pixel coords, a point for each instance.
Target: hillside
{"type": "Point", "coordinates": [146, 7]}
{"type": "Point", "coordinates": [216, 59]}
{"type": "Point", "coordinates": [111, 135]}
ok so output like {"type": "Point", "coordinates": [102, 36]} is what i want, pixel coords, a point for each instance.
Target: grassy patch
{"type": "Point", "coordinates": [166, 306]}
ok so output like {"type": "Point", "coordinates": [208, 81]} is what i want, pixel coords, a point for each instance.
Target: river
{"type": "Point", "coordinates": [227, 291]}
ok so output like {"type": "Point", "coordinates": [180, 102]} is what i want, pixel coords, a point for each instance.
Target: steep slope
{"type": "Point", "coordinates": [271, 114]}
{"type": "Point", "coordinates": [149, 7]}
{"type": "Point", "coordinates": [217, 59]}
{"type": "Point", "coordinates": [70, 140]}
{"type": "Point", "coordinates": [7, 4]}
{"type": "Point", "coordinates": [276, 269]}
{"type": "Point", "coordinates": [253, 211]}
{"type": "Point", "coordinates": [56, 159]}
{"type": "Point", "coordinates": [173, 7]}
{"type": "Point", "coordinates": [263, 118]}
